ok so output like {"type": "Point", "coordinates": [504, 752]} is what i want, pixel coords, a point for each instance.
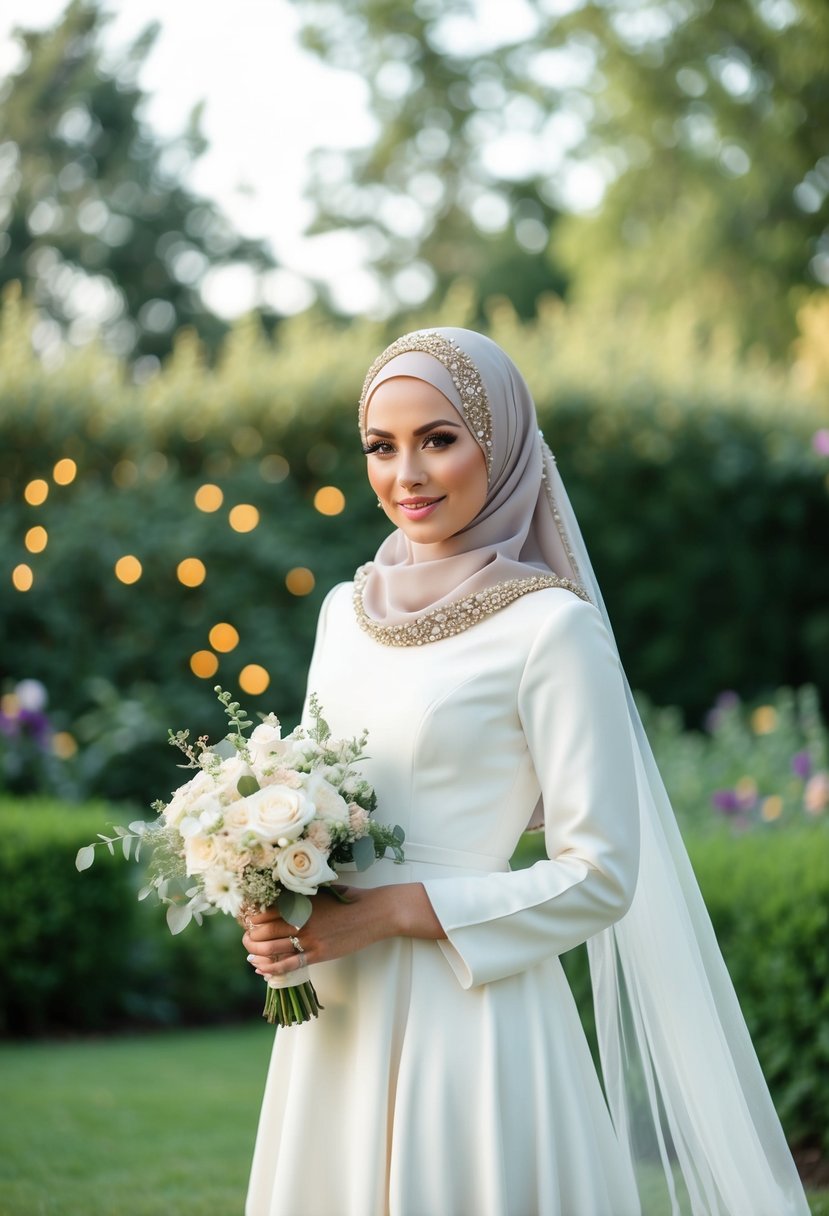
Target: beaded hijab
{"type": "Point", "coordinates": [515, 545]}
{"type": "Point", "coordinates": [680, 1073]}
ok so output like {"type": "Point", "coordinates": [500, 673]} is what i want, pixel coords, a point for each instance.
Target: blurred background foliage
{"type": "Point", "coordinates": [710, 465]}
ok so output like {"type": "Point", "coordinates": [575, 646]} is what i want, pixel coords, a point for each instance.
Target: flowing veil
{"type": "Point", "coordinates": [681, 1076]}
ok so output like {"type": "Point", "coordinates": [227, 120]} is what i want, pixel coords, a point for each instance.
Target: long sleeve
{"type": "Point", "coordinates": [572, 707]}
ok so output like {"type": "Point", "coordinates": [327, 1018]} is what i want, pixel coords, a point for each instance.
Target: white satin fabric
{"type": "Point", "coordinates": [453, 1078]}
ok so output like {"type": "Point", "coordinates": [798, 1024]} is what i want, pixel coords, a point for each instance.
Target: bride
{"type": "Point", "coordinates": [449, 1074]}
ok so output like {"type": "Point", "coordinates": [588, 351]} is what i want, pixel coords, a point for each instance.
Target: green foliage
{"type": "Point", "coordinates": [768, 898]}
{"type": "Point", "coordinates": [762, 768]}
{"type": "Point", "coordinates": [692, 473]}
{"type": "Point", "coordinates": [707, 124]}
{"type": "Point", "coordinates": [78, 952]}
{"type": "Point", "coordinates": [94, 217]}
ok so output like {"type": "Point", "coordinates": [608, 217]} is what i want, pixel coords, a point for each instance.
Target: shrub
{"type": "Point", "coordinates": [703, 502]}
{"type": "Point", "coordinates": [768, 898]}
{"type": "Point", "coordinates": [77, 951]}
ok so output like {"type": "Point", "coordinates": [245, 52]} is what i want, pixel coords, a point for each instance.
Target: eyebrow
{"type": "Point", "coordinates": [421, 430]}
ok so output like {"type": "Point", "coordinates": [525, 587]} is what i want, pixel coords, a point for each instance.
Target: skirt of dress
{"type": "Point", "coordinates": [411, 1096]}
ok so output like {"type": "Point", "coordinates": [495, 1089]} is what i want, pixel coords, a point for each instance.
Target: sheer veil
{"type": "Point", "coordinates": [684, 1087]}
{"type": "Point", "coordinates": [682, 1079]}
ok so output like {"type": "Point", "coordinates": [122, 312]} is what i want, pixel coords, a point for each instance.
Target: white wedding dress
{"type": "Point", "coordinates": [453, 1078]}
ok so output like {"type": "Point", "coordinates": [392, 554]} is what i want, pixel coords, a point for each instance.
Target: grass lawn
{"type": "Point", "coordinates": [153, 1125]}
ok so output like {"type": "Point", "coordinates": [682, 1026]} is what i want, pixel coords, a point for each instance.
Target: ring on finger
{"type": "Point", "coordinates": [297, 945]}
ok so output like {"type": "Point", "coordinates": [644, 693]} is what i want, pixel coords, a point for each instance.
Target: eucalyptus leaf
{"type": "Point", "coordinates": [363, 853]}
{"type": "Point", "coordinates": [294, 908]}
{"type": "Point", "coordinates": [398, 833]}
{"type": "Point", "coordinates": [85, 857]}
{"type": "Point", "coordinates": [126, 845]}
{"type": "Point", "coordinates": [145, 891]}
{"type": "Point", "coordinates": [247, 785]}
{"type": "Point", "coordinates": [224, 749]}
{"type": "Point", "coordinates": [178, 917]}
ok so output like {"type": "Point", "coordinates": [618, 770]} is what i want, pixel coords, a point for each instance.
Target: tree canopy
{"type": "Point", "coordinates": [95, 220]}
{"type": "Point", "coordinates": [709, 125]}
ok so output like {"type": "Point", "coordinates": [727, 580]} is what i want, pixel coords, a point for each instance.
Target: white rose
{"type": "Point", "coordinates": [266, 742]}
{"type": "Point", "coordinates": [301, 867]}
{"type": "Point", "coordinates": [199, 853]}
{"type": "Point", "coordinates": [227, 778]}
{"type": "Point", "coordinates": [184, 797]}
{"type": "Point", "coordinates": [327, 802]}
{"type": "Point", "coordinates": [277, 813]}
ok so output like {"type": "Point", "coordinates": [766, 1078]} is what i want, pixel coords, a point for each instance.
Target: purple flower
{"type": "Point", "coordinates": [801, 764]}
{"type": "Point", "coordinates": [726, 801]}
{"type": "Point", "coordinates": [36, 725]}
{"type": "Point", "coordinates": [820, 441]}
{"type": "Point", "coordinates": [728, 699]}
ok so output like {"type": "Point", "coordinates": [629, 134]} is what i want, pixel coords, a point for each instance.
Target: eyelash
{"type": "Point", "coordinates": [446, 440]}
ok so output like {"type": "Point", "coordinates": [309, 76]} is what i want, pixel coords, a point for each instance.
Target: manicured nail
{"type": "Point", "coordinates": [251, 957]}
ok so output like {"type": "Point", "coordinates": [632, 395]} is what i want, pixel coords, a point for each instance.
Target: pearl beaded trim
{"type": "Point", "coordinates": [444, 622]}
{"type": "Point", "coordinates": [465, 377]}
{"type": "Point", "coordinates": [547, 455]}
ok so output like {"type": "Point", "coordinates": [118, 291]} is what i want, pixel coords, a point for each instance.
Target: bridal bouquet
{"type": "Point", "coordinates": [263, 822]}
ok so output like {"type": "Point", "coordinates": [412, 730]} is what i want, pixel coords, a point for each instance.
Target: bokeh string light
{"type": "Point", "coordinates": [128, 569]}
{"type": "Point", "coordinates": [300, 581]}
{"type": "Point", "coordinates": [36, 539]}
{"type": "Point", "coordinates": [204, 664]}
{"type": "Point", "coordinates": [23, 577]}
{"type": "Point", "coordinates": [208, 498]}
{"type": "Point", "coordinates": [191, 571]}
{"type": "Point", "coordinates": [223, 637]}
{"type": "Point", "coordinates": [64, 472]}
{"type": "Point", "coordinates": [36, 492]}
{"type": "Point", "coordinates": [329, 500]}
{"type": "Point", "coordinates": [244, 517]}
{"type": "Point", "coordinates": [253, 679]}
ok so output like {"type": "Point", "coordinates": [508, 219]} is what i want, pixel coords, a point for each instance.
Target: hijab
{"type": "Point", "coordinates": [515, 544]}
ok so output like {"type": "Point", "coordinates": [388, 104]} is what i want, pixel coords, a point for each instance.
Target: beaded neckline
{"type": "Point", "coordinates": [457, 616]}
{"type": "Point", "coordinates": [465, 377]}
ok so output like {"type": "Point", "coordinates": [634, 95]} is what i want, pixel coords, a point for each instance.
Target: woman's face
{"type": "Point", "coordinates": [423, 464]}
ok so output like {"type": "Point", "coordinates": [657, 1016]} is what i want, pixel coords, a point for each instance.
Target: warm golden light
{"type": "Point", "coordinates": [224, 637]}
{"type": "Point", "coordinates": [36, 539]}
{"type": "Point", "coordinates": [764, 720]}
{"type": "Point", "coordinates": [204, 664]}
{"type": "Point", "coordinates": [208, 497]}
{"type": "Point", "coordinates": [300, 581]}
{"type": "Point", "coordinates": [22, 577]}
{"type": "Point", "coordinates": [36, 492]}
{"type": "Point", "coordinates": [253, 679]}
{"type": "Point", "coordinates": [329, 500]}
{"type": "Point", "coordinates": [191, 571]}
{"type": "Point", "coordinates": [128, 569]}
{"type": "Point", "coordinates": [64, 471]}
{"type": "Point", "coordinates": [244, 517]}
{"type": "Point", "coordinates": [9, 705]}
{"type": "Point", "coordinates": [64, 745]}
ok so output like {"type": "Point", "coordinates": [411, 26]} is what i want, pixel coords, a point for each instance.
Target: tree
{"type": "Point", "coordinates": [424, 197]}
{"type": "Point", "coordinates": [708, 123]}
{"type": "Point", "coordinates": [94, 218]}
{"type": "Point", "coordinates": [714, 125]}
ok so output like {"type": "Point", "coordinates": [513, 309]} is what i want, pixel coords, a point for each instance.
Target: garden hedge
{"type": "Point", "coordinates": [701, 492]}
{"type": "Point", "coordinates": [768, 898]}
{"type": "Point", "coordinates": [77, 952]}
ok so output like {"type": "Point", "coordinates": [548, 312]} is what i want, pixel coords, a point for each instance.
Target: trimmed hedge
{"type": "Point", "coordinates": [768, 898]}
{"type": "Point", "coordinates": [79, 953]}
{"type": "Point", "coordinates": [702, 499]}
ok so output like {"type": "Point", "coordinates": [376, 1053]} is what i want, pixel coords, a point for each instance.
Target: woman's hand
{"type": "Point", "coordinates": [337, 928]}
